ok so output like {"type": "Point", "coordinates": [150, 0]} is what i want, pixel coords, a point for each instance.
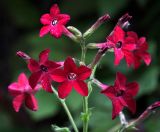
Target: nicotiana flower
{"type": "Point", "coordinates": [54, 22]}
{"type": "Point", "coordinates": [22, 92]}
{"type": "Point", "coordinates": [41, 70]}
{"type": "Point", "coordinates": [140, 53]}
{"type": "Point", "coordinates": [122, 46]}
{"type": "Point", "coordinates": [121, 94]}
{"type": "Point", "coordinates": [71, 76]}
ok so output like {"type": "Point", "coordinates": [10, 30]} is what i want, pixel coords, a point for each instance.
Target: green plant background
{"type": "Point", "coordinates": [20, 31]}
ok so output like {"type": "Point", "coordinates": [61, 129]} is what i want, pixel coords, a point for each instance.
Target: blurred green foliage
{"type": "Point", "coordinates": [21, 26]}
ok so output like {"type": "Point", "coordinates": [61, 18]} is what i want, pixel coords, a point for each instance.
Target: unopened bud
{"type": "Point", "coordinates": [99, 22]}
{"type": "Point", "coordinates": [23, 55]}
{"type": "Point", "coordinates": [75, 31]}
{"type": "Point", "coordinates": [123, 22]}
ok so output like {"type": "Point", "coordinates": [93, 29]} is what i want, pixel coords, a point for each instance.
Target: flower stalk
{"type": "Point", "coordinates": [66, 110]}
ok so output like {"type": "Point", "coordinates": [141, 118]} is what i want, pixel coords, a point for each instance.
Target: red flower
{"type": "Point", "coordinates": [41, 70]}
{"type": "Point", "coordinates": [54, 22]}
{"type": "Point", "coordinates": [71, 76]}
{"type": "Point", "coordinates": [122, 46]}
{"type": "Point", "coordinates": [22, 92]}
{"type": "Point", "coordinates": [121, 94]}
{"type": "Point", "coordinates": [140, 53]}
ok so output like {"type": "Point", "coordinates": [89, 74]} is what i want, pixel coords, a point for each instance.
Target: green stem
{"type": "Point", "coordinates": [85, 99]}
{"type": "Point", "coordinates": [85, 110]}
{"type": "Point", "coordinates": [66, 109]}
{"type": "Point", "coordinates": [83, 53]}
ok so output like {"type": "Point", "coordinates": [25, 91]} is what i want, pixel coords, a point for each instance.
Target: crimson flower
{"type": "Point", "coordinates": [71, 76]}
{"type": "Point", "coordinates": [122, 46]}
{"type": "Point", "coordinates": [41, 70]}
{"type": "Point", "coordinates": [140, 53]}
{"type": "Point", "coordinates": [22, 92]}
{"type": "Point", "coordinates": [121, 94]}
{"type": "Point", "coordinates": [54, 22]}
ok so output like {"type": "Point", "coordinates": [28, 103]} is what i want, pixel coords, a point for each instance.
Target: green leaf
{"type": "Point", "coordinates": [56, 128]}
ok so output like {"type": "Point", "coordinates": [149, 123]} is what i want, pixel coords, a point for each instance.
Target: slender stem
{"type": "Point", "coordinates": [123, 119]}
{"type": "Point", "coordinates": [98, 57]}
{"type": "Point", "coordinates": [84, 49]}
{"type": "Point", "coordinates": [66, 109]}
{"type": "Point", "coordinates": [85, 110]}
{"type": "Point", "coordinates": [85, 99]}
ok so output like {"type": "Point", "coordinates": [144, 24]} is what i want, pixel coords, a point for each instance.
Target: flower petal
{"type": "Point", "coordinates": [22, 80]}
{"type": "Point", "coordinates": [46, 83]}
{"type": "Point", "coordinates": [56, 30]}
{"type": "Point", "coordinates": [133, 34]}
{"type": "Point", "coordinates": [44, 30]}
{"type": "Point", "coordinates": [31, 102]}
{"type": "Point", "coordinates": [17, 102]}
{"type": "Point", "coordinates": [117, 107]}
{"type": "Point", "coordinates": [63, 19]}
{"type": "Point", "coordinates": [33, 65]}
{"type": "Point", "coordinates": [43, 56]}
{"type": "Point", "coordinates": [129, 47]}
{"type": "Point", "coordinates": [142, 44]}
{"type": "Point", "coordinates": [118, 34]}
{"type": "Point", "coordinates": [34, 78]}
{"type": "Point", "coordinates": [118, 56]}
{"type": "Point", "coordinates": [131, 104]}
{"type": "Point", "coordinates": [129, 40]}
{"type": "Point", "coordinates": [109, 92]}
{"type": "Point", "coordinates": [120, 81]}
{"type": "Point", "coordinates": [83, 72]}
{"type": "Point", "coordinates": [45, 19]}
{"type": "Point", "coordinates": [81, 87]}
{"type": "Point", "coordinates": [64, 89]}
{"type": "Point", "coordinates": [129, 57]}
{"type": "Point", "coordinates": [69, 65]}
{"type": "Point", "coordinates": [58, 75]}
{"type": "Point", "coordinates": [51, 65]}
{"type": "Point", "coordinates": [132, 88]}
{"type": "Point", "coordinates": [54, 11]}
{"type": "Point", "coordinates": [145, 56]}
{"type": "Point", "coordinates": [14, 89]}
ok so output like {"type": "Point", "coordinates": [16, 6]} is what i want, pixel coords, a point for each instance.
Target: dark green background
{"type": "Point", "coordinates": [19, 30]}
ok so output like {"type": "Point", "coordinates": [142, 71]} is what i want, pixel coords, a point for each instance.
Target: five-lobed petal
{"type": "Point", "coordinates": [121, 94]}
{"type": "Point", "coordinates": [71, 76]}
{"type": "Point", "coordinates": [54, 22]}
{"type": "Point", "coordinates": [23, 93]}
{"type": "Point", "coordinates": [41, 70]}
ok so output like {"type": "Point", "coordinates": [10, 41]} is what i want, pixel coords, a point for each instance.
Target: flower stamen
{"type": "Point", "coordinates": [119, 44]}
{"type": "Point", "coordinates": [44, 68]}
{"type": "Point", "coordinates": [54, 22]}
{"type": "Point", "coordinates": [72, 76]}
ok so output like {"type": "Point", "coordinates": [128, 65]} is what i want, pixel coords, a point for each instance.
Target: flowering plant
{"type": "Point", "coordinates": [61, 77]}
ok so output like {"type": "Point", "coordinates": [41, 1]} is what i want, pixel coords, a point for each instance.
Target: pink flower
{"type": "Point", "coordinates": [22, 92]}
{"type": "Point", "coordinates": [54, 22]}
{"type": "Point", "coordinates": [122, 46]}
{"type": "Point", "coordinates": [41, 70]}
{"type": "Point", "coordinates": [71, 76]}
{"type": "Point", "coordinates": [121, 94]}
{"type": "Point", "coordinates": [140, 53]}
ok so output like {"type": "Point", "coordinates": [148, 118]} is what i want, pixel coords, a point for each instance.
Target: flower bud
{"type": "Point", "coordinates": [23, 55]}
{"type": "Point", "coordinates": [99, 22]}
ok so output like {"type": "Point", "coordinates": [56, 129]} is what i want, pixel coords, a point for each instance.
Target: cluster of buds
{"type": "Point", "coordinates": [80, 76]}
